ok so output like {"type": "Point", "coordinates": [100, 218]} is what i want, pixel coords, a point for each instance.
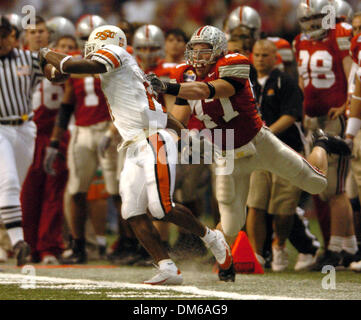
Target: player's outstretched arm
{"type": "Point", "coordinates": [67, 64]}
{"type": "Point", "coordinates": [194, 90]}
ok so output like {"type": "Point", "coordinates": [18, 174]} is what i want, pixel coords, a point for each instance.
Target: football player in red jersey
{"type": "Point", "coordinates": [243, 27]}
{"type": "Point", "coordinates": [324, 63]}
{"type": "Point", "coordinates": [221, 97]}
{"type": "Point", "coordinates": [42, 193]}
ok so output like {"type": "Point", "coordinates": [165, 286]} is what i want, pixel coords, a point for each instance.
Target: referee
{"type": "Point", "coordinates": [19, 73]}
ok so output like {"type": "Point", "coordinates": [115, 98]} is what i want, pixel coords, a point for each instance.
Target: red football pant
{"type": "Point", "coordinates": [42, 201]}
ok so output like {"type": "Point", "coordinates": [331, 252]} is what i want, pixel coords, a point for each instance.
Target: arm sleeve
{"type": "Point", "coordinates": [181, 101]}
{"type": "Point", "coordinates": [65, 112]}
{"type": "Point", "coordinates": [109, 56]}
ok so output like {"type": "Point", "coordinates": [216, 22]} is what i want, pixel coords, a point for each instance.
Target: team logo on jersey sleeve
{"type": "Point", "coordinates": [189, 76]}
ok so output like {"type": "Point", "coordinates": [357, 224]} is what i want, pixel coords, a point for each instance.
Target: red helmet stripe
{"type": "Point", "coordinates": [147, 31]}
{"type": "Point", "coordinates": [91, 21]}
{"type": "Point", "coordinates": [200, 31]}
{"type": "Point", "coordinates": [240, 13]}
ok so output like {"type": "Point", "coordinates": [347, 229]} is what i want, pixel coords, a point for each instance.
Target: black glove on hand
{"type": "Point", "coordinates": [158, 85]}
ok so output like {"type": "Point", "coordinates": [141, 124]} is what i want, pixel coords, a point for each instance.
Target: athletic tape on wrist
{"type": "Point", "coordinates": [353, 126]}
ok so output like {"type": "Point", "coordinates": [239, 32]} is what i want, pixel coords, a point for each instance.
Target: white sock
{"type": "Point", "coordinates": [15, 234]}
{"type": "Point", "coordinates": [209, 236]}
{"type": "Point", "coordinates": [167, 264]}
{"type": "Point", "coordinates": [335, 244]}
{"type": "Point", "coordinates": [350, 244]}
{"type": "Point", "coordinates": [101, 240]}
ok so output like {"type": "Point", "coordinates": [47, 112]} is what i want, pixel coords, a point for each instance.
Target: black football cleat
{"type": "Point", "coordinates": [332, 144]}
{"type": "Point", "coordinates": [328, 258]}
{"type": "Point", "coordinates": [77, 257]}
{"type": "Point", "coordinates": [22, 253]}
{"type": "Point", "coordinates": [228, 275]}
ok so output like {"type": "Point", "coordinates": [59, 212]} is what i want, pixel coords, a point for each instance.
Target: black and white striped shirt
{"type": "Point", "coordinates": [19, 74]}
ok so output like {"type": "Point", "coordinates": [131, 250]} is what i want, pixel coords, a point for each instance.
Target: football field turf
{"type": "Point", "coordinates": [102, 281]}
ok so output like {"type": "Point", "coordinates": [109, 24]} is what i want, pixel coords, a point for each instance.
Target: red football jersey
{"type": "Point", "coordinates": [320, 66]}
{"type": "Point", "coordinates": [46, 103]}
{"type": "Point", "coordinates": [90, 104]}
{"type": "Point", "coordinates": [237, 112]}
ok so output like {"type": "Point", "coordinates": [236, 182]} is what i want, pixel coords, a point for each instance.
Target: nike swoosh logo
{"type": "Point", "coordinates": [228, 261]}
{"type": "Point", "coordinates": [210, 74]}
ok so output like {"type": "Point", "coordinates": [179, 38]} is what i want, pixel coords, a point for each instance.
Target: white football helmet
{"type": "Point", "coordinates": [149, 35]}
{"type": "Point", "coordinates": [59, 26]}
{"type": "Point", "coordinates": [85, 25]}
{"type": "Point", "coordinates": [311, 14]}
{"type": "Point", "coordinates": [102, 36]}
{"type": "Point", "coordinates": [244, 16]}
{"type": "Point", "coordinates": [212, 36]}
{"type": "Point", "coordinates": [344, 11]}
{"type": "Point", "coordinates": [15, 21]}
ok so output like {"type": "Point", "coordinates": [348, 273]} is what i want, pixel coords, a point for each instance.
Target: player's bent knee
{"type": "Point", "coordinates": [310, 180]}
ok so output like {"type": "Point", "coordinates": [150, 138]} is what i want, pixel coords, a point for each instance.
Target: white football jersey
{"type": "Point", "coordinates": [130, 97]}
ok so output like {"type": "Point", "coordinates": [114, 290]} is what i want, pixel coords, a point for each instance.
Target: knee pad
{"type": "Point", "coordinates": [225, 189]}
{"type": "Point", "coordinates": [309, 180]}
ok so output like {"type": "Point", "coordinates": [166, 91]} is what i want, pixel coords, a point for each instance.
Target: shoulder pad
{"type": "Point", "coordinates": [233, 65]}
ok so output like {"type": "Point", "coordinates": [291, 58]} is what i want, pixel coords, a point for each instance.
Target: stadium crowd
{"type": "Point", "coordinates": [306, 86]}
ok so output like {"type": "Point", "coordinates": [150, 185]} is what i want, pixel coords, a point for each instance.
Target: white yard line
{"type": "Point", "coordinates": [88, 287]}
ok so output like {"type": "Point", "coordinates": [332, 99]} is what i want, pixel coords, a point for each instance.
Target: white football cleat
{"type": "Point", "coordinates": [49, 260]}
{"type": "Point", "coordinates": [166, 277]}
{"type": "Point", "coordinates": [355, 266]}
{"type": "Point", "coordinates": [3, 255]}
{"type": "Point", "coordinates": [304, 261]}
{"type": "Point", "coordinates": [221, 250]}
{"type": "Point", "coordinates": [279, 259]}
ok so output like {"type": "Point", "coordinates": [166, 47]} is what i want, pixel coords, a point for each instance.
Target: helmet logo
{"type": "Point", "coordinates": [103, 35]}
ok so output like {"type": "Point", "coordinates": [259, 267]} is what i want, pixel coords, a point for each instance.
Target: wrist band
{"type": "Point", "coordinates": [353, 126]}
{"type": "Point", "coordinates": [62, 62]}
{"type": "Point", "coordinates": [212, 90]}
{"type": "Point", "coordinates": [172, 88]}
{"type": "Point", "coordinates": [356, 97]}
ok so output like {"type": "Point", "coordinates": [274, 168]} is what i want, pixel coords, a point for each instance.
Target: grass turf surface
{"type": "Point", "coordinates": [100, 281]}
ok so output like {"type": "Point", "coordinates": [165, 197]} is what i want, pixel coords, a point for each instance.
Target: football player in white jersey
{"type": "Point", "coordinates": [148, 177]}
